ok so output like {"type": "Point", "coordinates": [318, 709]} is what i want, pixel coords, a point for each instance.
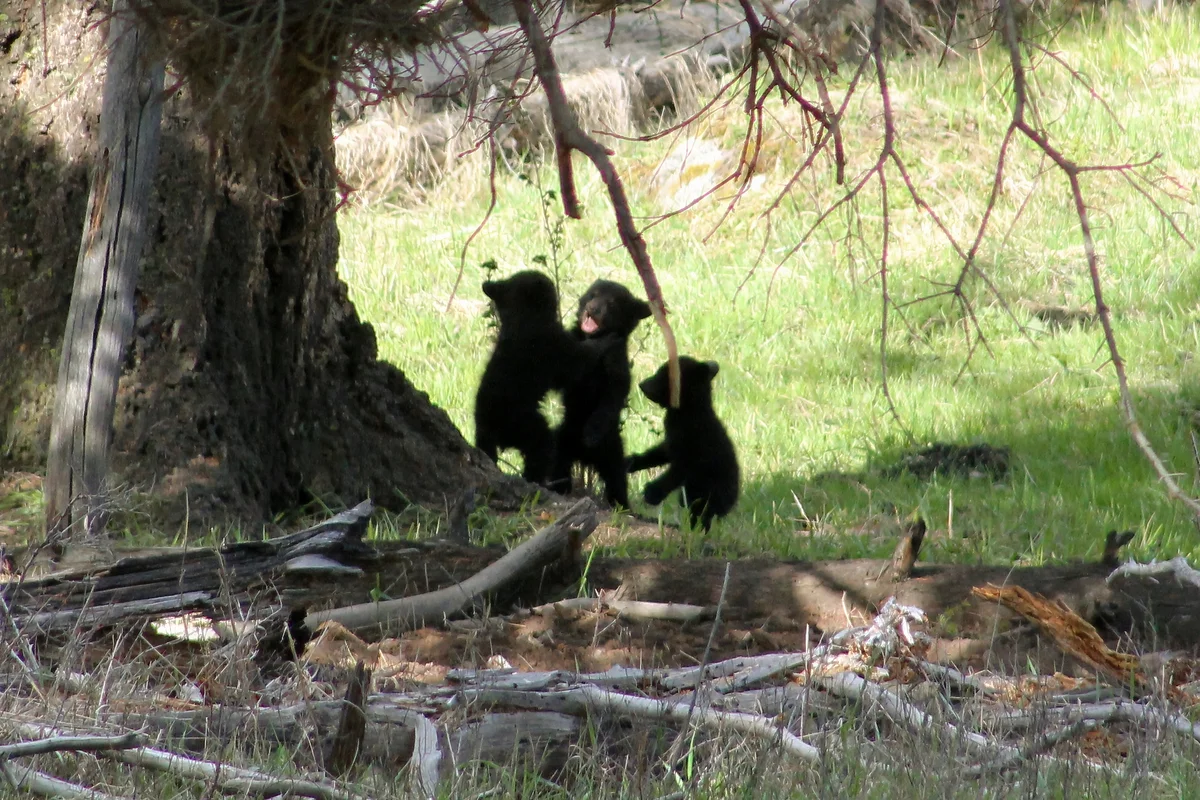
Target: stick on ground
{"type": "Point", "coordinates": [406, 613]}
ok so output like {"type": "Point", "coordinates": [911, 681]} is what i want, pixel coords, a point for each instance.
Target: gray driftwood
{"type": "Point", "coordinates": [170, 581]}
{"type": "Point", "coordinates": [101, 316]}
{"type": "Point", "coordinates": [548, 545]}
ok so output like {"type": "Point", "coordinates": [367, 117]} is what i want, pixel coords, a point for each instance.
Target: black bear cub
{"type": "Point", "coordinates": [533, 355]}
{"type": "Point", "coordinates": [590, 432]}
{"type": "Point", "coordinates": [696, 449]}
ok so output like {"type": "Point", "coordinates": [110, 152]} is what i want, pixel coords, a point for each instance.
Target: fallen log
{"type": "Point", "coordinates": [292, 575]}
{"type": "Point", "coordinates": [821, 594]}
{"type": "Point", "coordinates": [172, 580]}
{"type": "Point", "coordinates": [550, 544]}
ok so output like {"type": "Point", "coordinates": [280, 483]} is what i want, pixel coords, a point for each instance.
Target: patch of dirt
{"type": "Point", "coordinates": [591, 642]}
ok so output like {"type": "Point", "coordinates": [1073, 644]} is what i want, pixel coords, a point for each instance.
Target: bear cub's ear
{"type": "Point", "coordinates": [642, 310]}
{"type": "Point", "coordinates": [713, 368]}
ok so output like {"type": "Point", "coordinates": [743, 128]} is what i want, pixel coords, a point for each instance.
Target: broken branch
{"type": "Point", "coordinates": [588, 699]}
{"type": "Point", "coordinates": [569, 136]}
{"type": "Point", "coordinates": [432, 607]}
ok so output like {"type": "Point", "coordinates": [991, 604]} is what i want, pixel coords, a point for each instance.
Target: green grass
{"type": "Point", "coordinates": [798, 341]}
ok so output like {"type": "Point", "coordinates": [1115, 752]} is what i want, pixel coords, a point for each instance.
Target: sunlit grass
{"type": "Point", "coordinates": [798, 337]}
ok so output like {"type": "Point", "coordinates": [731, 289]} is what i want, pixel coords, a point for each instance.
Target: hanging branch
{"type": "Point", "coordinates": [569, 136]}
{"type": "Point", "coordinates": [1072, 171]}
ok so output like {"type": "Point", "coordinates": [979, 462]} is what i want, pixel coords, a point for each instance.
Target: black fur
{"type": "Point", "coordinates": [696, 449]}
{"type": "Point", "coordinates": [533, 355]}
{"type": "Point", "coordinates": [591, 428]}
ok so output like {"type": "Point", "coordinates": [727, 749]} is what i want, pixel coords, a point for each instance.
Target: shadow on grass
{"type": "Point", "coordinates": [1074, 475]}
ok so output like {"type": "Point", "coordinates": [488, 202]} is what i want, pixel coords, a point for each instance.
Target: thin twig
{"type": "Point", "coordinates": [1071, 170]}
{"type": "Point", "coordinates": [1038, 746]}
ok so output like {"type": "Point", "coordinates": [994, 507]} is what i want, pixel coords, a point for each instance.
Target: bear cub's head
{"type": "Point", "coordinates": [525, 297]}
{"type": "Point", "coordinates": [608, 307]}
{"type": "Point", "coordinates": [695, 378]}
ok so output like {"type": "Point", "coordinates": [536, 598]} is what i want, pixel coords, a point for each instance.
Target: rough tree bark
{"type": "Point", "coordinates": [250, 384]}
{"type": "Point", "coordinates": [100, 319]}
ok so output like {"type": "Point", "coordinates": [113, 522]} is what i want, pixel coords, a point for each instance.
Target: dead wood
{"type": "Point", "coordinates": [47, 786]}
{"type": "Point", "coordinates": [168, 581]}
{"type": "Point", "coordinates": [878, 700]}
{"type": "Point", "coordinates": [436, 728]}
{"type": "Point", "coordinates": [1183, 572]}
{"type": "Point", "coordinates": [1068, 630]}
{"type": "Point", "coordinates": [262, 579]}
{"type": "Point", "coordinates": [545, 736]}
{"type": "Point", "coordinates": [548, 545]}
{"type": "Point", "coordinates": [630, 609]}
{"type": "Point", "coordinates": [101, 316]}
{"type": "Point", "coordinates": [1112, 711]}
{"type": "Point", "coordinates": [58, 744]}
{"type": "Point", "coordinates": [590, 699]}
{"type": "Point", "coordinates": [226, 777]}
{"type": "Point", "coordinates": [352, 727]}
{"type": "Point", "coordinates": [820, 594]}
{"type": "Point", "coordinates": [426, 759]}
{"type": "Point", "coordinates": [1040, 745]}
{"type": "Point", "coordinates": [908, 549]}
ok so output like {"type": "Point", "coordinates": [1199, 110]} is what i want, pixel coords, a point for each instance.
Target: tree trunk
{"type": "Point", "coordinates": [100, 319]}
{"type": "Point", "coordinates": [250, 385]}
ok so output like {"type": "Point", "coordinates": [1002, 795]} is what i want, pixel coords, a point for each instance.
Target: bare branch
{"type": "Point", "coordinates": [228, 778]}
{"type": "Point", "coordinates": [1071, 170]}
{"type": "Point", "coordinates": [46, 786]}
{"type": "Point", "coordinates": [1038, 746]}
{"type": "Point", "coordinates": [569, 136]}
{"type": "Point", "coordinates": [587, 698]}
{"type": "Point", "coordinates": [57, 744]}
{"type": "Point", "coordinates": [1178, 567]}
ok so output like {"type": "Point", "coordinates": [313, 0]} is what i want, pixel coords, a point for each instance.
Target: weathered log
{"type": "Point", "coordinates": [816, 594]}
{"type": "Point", "coordinates": [167, 581]}
{"type": "Point", "coordinates": [548, 545]}
{"type": "Point", "coordinates": [587, 698]}
{"type": "Point", "coordinates": [819, 594]}
{"type": "Point", "coordinates": [543, 736]}
{"type": "Point", "coordinates": [101, 316]}
{"type": "Point", "coordinates": [389, 736]}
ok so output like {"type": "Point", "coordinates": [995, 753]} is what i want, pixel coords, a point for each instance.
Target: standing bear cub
{"type": "Point", "coordinates": [533, 355]}
{"type": "Point", "coordinates": [696, 449]}
{"type": "Point", "coordinates": [590, 432]}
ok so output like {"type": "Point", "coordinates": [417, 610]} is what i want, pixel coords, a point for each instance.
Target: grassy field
{"type": "Point", "coordinates": [798, 338]}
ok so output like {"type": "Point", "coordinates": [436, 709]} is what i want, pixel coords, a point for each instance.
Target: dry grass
{"type": "Point", "coordinates": [145, 678]}
{"type": "Point", "coordinates": [400, 153]}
